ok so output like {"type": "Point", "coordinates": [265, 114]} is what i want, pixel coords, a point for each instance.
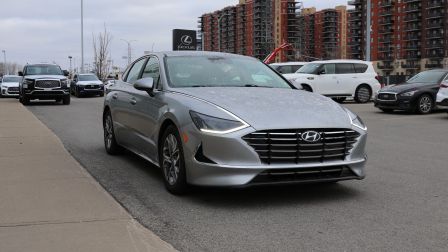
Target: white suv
{"type": "Point", "coordinates": [442, 95]}
{"type": "Point", "coordinates": [339, 79]}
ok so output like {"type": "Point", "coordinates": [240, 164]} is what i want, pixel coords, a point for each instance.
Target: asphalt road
{"type": "Point", "coordinates": [402, 205]}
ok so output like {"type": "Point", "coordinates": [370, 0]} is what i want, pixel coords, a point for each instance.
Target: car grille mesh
{"type": "Point", "coordinates": [13, 89]}
{"type": "Point", "coordinates": [387, 97]}
{"type": "Point", "coordinates": [47, 84]}
{"type": "Point", "coordinates": [287, 146]}
{"type": "Point", "coordinates": [91, 86]}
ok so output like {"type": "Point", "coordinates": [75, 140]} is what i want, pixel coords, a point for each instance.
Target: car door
{"type": "Point", "coordinates": [122, 107]}
{"type": "Point", "coordinates": [146, 111]}
{"type": "Point", "coordinates": [347, 79]}
{"type": "Point", "coordinates": [326, 81]}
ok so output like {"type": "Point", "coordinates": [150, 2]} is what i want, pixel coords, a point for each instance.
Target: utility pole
{"type": "Point", "coordinates": [129, 49]}
{"type": "Point", "coordinates": [5, 66]}
{"type": "Point", "coordinates": [82, 36]}
{"type": "Point", "coordinates": [368, 28]}
{"type": "Point", "coordinates": [70, 69]}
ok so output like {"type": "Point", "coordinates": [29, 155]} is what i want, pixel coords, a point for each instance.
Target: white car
{"type": "Point", "coordinates": [287, 67]}
{"type": "Point", "coordinates": [442, 95]}
{"type": "Point", "coordinates": [339, 79]}
{"type": "Point", "coordinates": [10, 86]}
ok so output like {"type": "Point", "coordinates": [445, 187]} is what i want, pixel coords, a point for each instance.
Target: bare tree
{"type": "Point", "coordinates": [102, 53]}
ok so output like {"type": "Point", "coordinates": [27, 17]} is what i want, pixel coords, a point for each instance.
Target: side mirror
{"type": "Point", "coordinates": [20, 73]}
{"type": "Point", "coordinates": [66, 73]}
{"type": "Point", "coordinates": [145, 84]}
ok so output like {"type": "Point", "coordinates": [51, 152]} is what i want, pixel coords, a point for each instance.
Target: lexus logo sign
{"type": "Point", "coordinates": [184, 40]}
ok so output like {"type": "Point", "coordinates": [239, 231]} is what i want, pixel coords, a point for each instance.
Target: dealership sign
{"type": "Point", "coordinates": [184, 40]}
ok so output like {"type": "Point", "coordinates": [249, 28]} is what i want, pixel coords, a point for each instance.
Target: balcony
{"type": "Point", "coordinates": [435, 4]}
{"type": "Point", "coordinates": [413, 8]}
{"type": "Point", "coordinates": [354, 2]}
{"type": "Point", "coordinates": [385, 66]}
{"type": "Point", "coordinates": [411, 37]}
{"type": "Point", "coordinates": [412, 18]}
{"type": "Point", "coordinates": [434, 65]}
{"type": "Point", "coordinates": [434, 35]}
{"type": "Point", "coordinates": [434, 53]}
{"type": "Point", "coordinates": [438, 45]}
{"type": "Point", "coordinates": [387, 21]}
{"type": "Point", "coordinates": [386, 30]}
{"type": "Point", "coordinates": [386, 13]}
{"type": "Point", "coordinates": [385, 49]}
{"type": "Point", "coordinates": [410, 65]}
{"type": "Point", "coordinates": [386, 3]}
{"type": "Point", "coordinates": [411, 28]}
{"type": "Point", "coordinates": [412, 47]}
{"type": "Point", "coordinates": [434, 14]}
{"type": "Point", "coordinates": [434, 25]}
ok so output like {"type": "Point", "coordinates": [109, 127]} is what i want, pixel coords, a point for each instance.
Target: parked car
{"type": "Point", "coordinates": [9, 86]}
{"type": "Point", "coordinates": [216, 119]}
{"type": "Point", "coordinates": [86, 84]}
{"type": "Point", "coordinates": [442, 95]}
{"type": "Point", "coordinates": [44, 82]}
{"type": "Point", "coordinates": [418, 94]}
{"type": "Point", "coordinates": [339, 79]}
{"type": "Point", "coordinates": [287, 67]}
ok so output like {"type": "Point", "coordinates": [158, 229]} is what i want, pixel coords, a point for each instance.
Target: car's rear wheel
{"type": "Point", "coordinates": [110, 142]}
{"type": "Point", "coordinates": [363, 94]}
{"type": "Point", "coordinates": [25, 100]}
{"type": "Point", "coordinates": [425, 104]}
{"type": "Point", "coordinates": [171, 159]}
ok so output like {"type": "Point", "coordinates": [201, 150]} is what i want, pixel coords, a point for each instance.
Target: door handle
{"type": "Point", "coordinates": [133, 101]}
{"type": "Point", "coordinates": [115, 96]}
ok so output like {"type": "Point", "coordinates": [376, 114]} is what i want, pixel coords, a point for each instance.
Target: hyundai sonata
{"type": "Point", "coordinates": [216, 119]}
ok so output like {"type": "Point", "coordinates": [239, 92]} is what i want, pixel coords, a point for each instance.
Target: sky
{"type": "Point", "coordinates": [49, 30]}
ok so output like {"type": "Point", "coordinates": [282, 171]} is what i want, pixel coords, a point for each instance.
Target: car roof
{"type": "Point", "coordinates": [199, 53]}
{"type": "Point", "coordinates": [87, 74]}
{"type": "Point", "coordinates": [341, 61]}
{"type": "Point", "coordinates": [288, 63]}
{"type": "Point", "coordinates": [42, 64]}
{"type": "Point", "coordinates": [10, 75]}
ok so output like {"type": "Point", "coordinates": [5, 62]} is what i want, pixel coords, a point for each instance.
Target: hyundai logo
{"type": "Point", "coordinates": [311, 136]}
{"type": "Point", "coordinates": [186, 40]}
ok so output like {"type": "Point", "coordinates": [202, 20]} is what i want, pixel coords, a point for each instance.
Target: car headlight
{"type": "Point", "coordinates": [65, 83]}
{"type": "Point", "coordinates": [210, 124]}
{"type": "Point", "coordinates": [26, 83]}
{"type": "Point", "coordinates": [410, 93]}
{"type": "Point", "coordinates": [356, 120]}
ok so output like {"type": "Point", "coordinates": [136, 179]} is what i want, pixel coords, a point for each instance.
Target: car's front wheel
{"type": "Point", "coordinates": [66, 100]}
{"type": "Point", "coordinates": [171, 160]}
{"type": "Point", "coordinates": [425, 104]}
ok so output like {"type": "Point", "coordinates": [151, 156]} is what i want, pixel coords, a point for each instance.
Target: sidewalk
{"type": "Point", "coordinates": [48, 202]}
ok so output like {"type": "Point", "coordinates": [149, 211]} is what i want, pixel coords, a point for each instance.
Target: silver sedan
{"type": "Point", "coordinates": [215, 119]}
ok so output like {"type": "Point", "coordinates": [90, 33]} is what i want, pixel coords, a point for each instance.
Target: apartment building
{"type": "Point", "coordinates": [407, 36]}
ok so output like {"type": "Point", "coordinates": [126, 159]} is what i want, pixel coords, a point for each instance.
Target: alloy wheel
{"type": "Point", "coordinates": [363, 94]}
{"type": "Point", "coordinates": [171, 157]}
{"type": "Point", "coordinates": [108, 132]}
{"type": "Point", "coordinates": [425, 104]}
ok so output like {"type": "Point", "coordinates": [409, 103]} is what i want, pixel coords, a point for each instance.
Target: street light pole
{"type": "Point", "coordinates": [70, 69]}
{"type": "Point", "coordinates": [82, 36]}
{"type": "Point", "coordinates": [129, 49]}
{"type": "Point", "coordinates": [5, 66]}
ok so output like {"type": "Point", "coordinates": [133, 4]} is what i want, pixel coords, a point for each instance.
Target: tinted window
{"type": "Point", "coordinates": [43, 70]}
{"type": "Point", "coordinates": [288, 69]}
{"type": "Point", "coordinates": [213, 71]}
{"type": "Point", "coordinates": [345, 68]}
{"type": "Point", "coordinates": [360, 68]}
{"type": "Point", "coordinates": [134, 73]}
{"type": "Point", "coordinates": [328, 69]}
{"type": "Point", "coordinates": [427, 77]}
{"type": "Point", "coordinates": [310, 68]}
{"type": "Point", "coordinates": [152, 70]}
{"type": "Point", "coordinates": [88, 78]}
{"type": "Point", "coordinates": [12, 79]}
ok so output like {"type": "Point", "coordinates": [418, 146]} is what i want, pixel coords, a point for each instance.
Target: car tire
{"type": "Point", "coordinates": [172, 162]}
{"type": "Point", "coordinates": [25, 100]}
{"type": "Point", "coordinates": [425, 104]}
{"type": "Point", "coordinates": [363, 94]}
{"type": "Point", "coordinates": [387, 110]}
{"type": "Point", "coordinates": [102, 94]}
{"type": "Point", "coordinates": [58, 100]}
{"type": "Point", "coordinates": [110, 142]}
{"type": "Point", "coordinates": [66, 100]}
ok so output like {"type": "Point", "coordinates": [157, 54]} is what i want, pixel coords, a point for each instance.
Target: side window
{"type": "Point", "coordinates": [152, 70]}
{"type": "Point", "coordinates": [360, 68]}
{"type": "Point", "coordinates": [345, 68]}
{"type": "Point", "coordinates": [134, 73]}
{"type": "Point", "coordinates": [328, 69]}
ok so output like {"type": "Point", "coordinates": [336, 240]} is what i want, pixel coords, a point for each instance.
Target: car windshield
{"type": "Point", "coordinates": [427, 77]}
{"type": "Point", "coordinates": [12, 79]}
{"type": "Point", "coordinates": [310, 68]}
{"type": "Point", "coordinates": [89, 77]}
{"type": "Point", "coordinates": [216, 71]}
{"type": "Point", "coordinates": [43, 70]}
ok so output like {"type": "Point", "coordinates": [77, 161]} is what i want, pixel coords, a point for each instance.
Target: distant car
{"type": "Point", "coordinates": [86, 84]}
{"type": "Point", "coordinates": [338, 79]}
{"type": "Point", "coordinates": [9, 86]}
{"type": "Point", "coordinates": [217, 119]}
{"type": "Point", "coordinates": [418, 94]}
{"type": "Point", "coordinates": [442, 95]}
{"type": "Point", "coordinates": [44, 82]}
{"type": "Point", "coordinates": [287, 67]}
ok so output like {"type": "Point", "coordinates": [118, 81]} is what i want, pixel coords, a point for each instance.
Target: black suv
{"type": "Point", "coordinates": [44, 82]}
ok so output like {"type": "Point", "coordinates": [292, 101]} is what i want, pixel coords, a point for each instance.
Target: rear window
{"type": "Point", "coordinates": [360, 68]}
{"type": "Point", "coordinates": [345, 68]}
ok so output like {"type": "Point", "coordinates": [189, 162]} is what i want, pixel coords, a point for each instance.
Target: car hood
{"type": "Point", "coordinates": [89, 82]}
{"type": "Point", "coordinates": [9, 84]}
{"type": "Point", "coordinates": [274, 108]}
{"type": "Point", "coordinates": [36, 77]}
{"type": "Point", "coordinates": [405, 87]}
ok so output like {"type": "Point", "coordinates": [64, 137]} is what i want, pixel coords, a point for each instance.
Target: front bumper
{"type": "Point", "coordinates": [92, 91]}
{"type": "Point", "coordinates": [232, 162]}
{"type": "Point", "coordinates": [7, 93]}
{"type": "Point", "coordinates": [399, 104]}
{"type": "Point", "coordinates": [47, 94]}
{"type": "Point", "coordinates": [442, 100]}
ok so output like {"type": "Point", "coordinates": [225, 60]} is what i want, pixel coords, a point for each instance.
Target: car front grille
{"type": "Point", "coordinates": [288, 146]}
{"type": "Point", "coordinates": [91, 86]}
{"type": "Point", "coordinates": [47, 84]}
{"type": "Point", "coordinates": [303, 175]}
{"type": "Point", "coordinates": [13, 90]}
{"type": "Point", "coordinates": [387, 96]}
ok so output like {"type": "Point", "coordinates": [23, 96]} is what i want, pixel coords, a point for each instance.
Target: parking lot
{"type": "Point", "coordinates": [400, 206]}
